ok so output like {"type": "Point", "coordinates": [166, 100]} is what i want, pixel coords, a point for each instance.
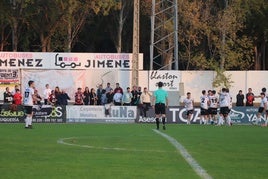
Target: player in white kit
{"type": "Point", "coordinates": [204, 107]}
{"type": "Point", "coordinates": [189, 106]}
{"type": "Point", "coordinates": [224, 101]}
{"type": "Point", "coordinates": [263, 106]}
{"type": "Point", "coordinates": [213, 106]}
{"type": "Point", "coordinates": [28, 104]}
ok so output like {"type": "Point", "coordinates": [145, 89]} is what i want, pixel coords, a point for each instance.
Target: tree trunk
{"type": "Point", "coordinates": [119, 32]}
{"type": "Point", "coordinates": [14, 35]}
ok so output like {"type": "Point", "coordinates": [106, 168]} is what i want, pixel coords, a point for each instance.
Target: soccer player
{"type": "Point", "coordinates": [224, 101]}
{"type": "Point", "coordinates": [204, 107]}
{"type": "Point", "coordinates": [263, 106]}
{"type": "Point", "coordinates": [189, 106]}
{"type": "Point", "coordinates": [160, 102]}
{"type": "Point", "coordinates": [29, 98]}
{"type": "Point", "coordinates": [228, 118]}
{"type": "Point", "coordinates": [213, 105]}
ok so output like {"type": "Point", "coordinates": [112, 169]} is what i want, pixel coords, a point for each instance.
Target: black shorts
{"type": "Point", "coordinates": [160, 108]}
{"type": "Point", "coordinates": [261, 109]}
{"type": "Point", "coordinates": [224, 110]}
{"type": "Point", "coordinates": [204, 112]}
{"type": "Point", "coordinates": [28, 109]}
{"type": "Point", "coordinates": [189, 112]}
{"type": "Point", "coordinates": [212, 111]}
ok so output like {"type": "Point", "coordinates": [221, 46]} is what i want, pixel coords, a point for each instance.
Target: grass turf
{"type": "Point", "coordinates": [130, 151]}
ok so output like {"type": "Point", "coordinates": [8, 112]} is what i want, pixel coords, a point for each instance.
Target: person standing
{"type": "Point", "coordinates": [93, 97]}
{"type": "Point", "coordinates": [65, 97]}
{"type": "Point", "coordinates": [224, 102]}
{"type": "Point", "coordinates": [17, 98]}
{"type": "Point", "coordinates": [249, 98]}
{"type": "Point", "coordinates": [118, 88]}
{"type": "Point", "coordinates": [86, 96]}
{"type": "Point", "coordinates": [240, 98]}
{"type": "Point", "coordinates": [189, 106]}
{"type": "Point", "coordinates": [160, 102]}
{"type": "Point", "coordinates": [145, 101]}
{"type": "Point", "coordinates": [127, 96]}
{"type": "Point", "coordinates": [8, 97]}
{"type": "Point", "coordinates": [99, 94]}
{"type": "Point", "coordinates": [47, 93]}
{"type": "Point", "coordinates": [29, 99]}
{"type": "Point", "coordinates": [78, 97]}
{"type": "Point", "coordinates": [204, 107]}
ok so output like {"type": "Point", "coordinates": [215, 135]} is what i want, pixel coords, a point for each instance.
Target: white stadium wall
{"type": "Point", "coordinates": [72, 70]}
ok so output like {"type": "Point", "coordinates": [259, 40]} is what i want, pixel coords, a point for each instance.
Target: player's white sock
{"type": "Point", "coordinates": [229, 121]}
{"type": "Point", "coordinates": [266, 122]}
{"type": "Point", "coordinates": [30, 120]}
{"type": "Point", "coordinates": [26, 121]}
{"type": "Point", "coordinates": [201, 119]}
{"type": "Point", "coordinates": [258, 120]}
{"type": "Point", "coordinates": [220, 120]}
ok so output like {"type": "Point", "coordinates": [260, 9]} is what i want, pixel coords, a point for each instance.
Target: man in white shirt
{"type": "Point", "coordinates": [189, 106]}
{"type": "Point", "coordinates": [29, 98]}
{"type": "Point", "coordinates": [47, 93]}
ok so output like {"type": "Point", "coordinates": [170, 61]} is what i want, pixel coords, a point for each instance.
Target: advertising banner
{"type": "Point", "coordinates": [171, 80]}
{"type": "Point", "coordinates": [8, 76]}
{"type": "Point", "coordinates": [101, 114]}
{"type": "Point", "coordinates": [47, 60]}
{"type": "Point", "coordinates": [239, 115]}
{"type": "Point", "coordinates": [42, 114]}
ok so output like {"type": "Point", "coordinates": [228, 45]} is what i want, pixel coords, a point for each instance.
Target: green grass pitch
{"type": "Point", "coordinates": [131, 151]}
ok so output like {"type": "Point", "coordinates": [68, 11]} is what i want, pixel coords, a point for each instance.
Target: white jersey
{"type": "Point", "coordinates": [28, 96]}
{"type": "Point", "coordinates": [47, 93]}
{"type": "Point", "coordinates": [213, 101]}
{"type": "Point", "coordinates": [204, 101]}
{"type": "Point", "coordinates": [224, 99]}
{"type": "Point", "coordinates": [263, 102]}
{"type": "Point", "coordinates": [188, 104]}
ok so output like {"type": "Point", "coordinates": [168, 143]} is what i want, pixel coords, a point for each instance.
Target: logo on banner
{"type": "Point", "coordinates": [170, 80]}
{"type": "Point", "coordinates": [9, 76]}
{"type": "Point", "coordinates": [64, 61]}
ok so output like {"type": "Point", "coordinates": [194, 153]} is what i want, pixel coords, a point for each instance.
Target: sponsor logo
{"type": "Point", "coordinates": [64, 61]}
{"type": "Point", "coordinates": [124, 112]}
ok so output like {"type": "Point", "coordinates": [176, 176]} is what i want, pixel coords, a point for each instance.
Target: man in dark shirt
{"type": "Point", "coordinates": [240, 98]}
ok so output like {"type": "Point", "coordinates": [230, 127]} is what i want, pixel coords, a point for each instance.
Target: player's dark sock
{"type": "Point", "coordinates": [157, 123]}
{"type": "Point", "coordinates": [164, 122]}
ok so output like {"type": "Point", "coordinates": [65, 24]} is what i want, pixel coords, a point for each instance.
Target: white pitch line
{"type": "Point", "coordinates": [185, 154]}
{"type": "Point", "coordinates": [62, 141]}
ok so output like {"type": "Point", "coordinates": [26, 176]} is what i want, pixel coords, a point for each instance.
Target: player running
{"type": "Point", "coordinates": [263, 106]}
{"type": "Point", "coordinates": [189, 106]}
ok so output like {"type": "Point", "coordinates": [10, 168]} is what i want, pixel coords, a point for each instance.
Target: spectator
{"type": "Point", "coordinates": [57, 95]}
{"type": "Point", "coordinates": [8, 98]}
{"type": "Point", "coordinates": [134, 101]}
{"type": "Point", "coordinates": [79, 97]}
{"type": "Point", "coordinates": [118, 98]}
{"type": "Point", "coordinates": [46, 94]}
{"type": "Point", "coordinates": [64, 98]}
{"type": "Point", "coordinates": [38, 98]}
{"type": "Point", "coordinates": [110, 96]}
{"type": "Point", "coordinates": [52, 98]}
{"type": "Point", "coordinates": [17, 98]}
{"type": "Point", "coordinates": [93, 97]}
{"type": "Point", "coordinates": [145, 100]}
{"type": "Point", "coordinates": [240, 98]}
{"type": "Point", "coordinates": [249, 98]}
{"type": "Point", "coordinates": [86, 96]}
{"type": "Point", "coordinates": [127, 96]}
{"type": "Point", "coordinates": [118, 88]}
{"type": "Point", "coordinates": [99, 94]}
{"type": "Point", "coordinates": [14, 91]}
{"type": "Point", "coordinates": [108, 88]}
{"type": "Point", "coordinates": [103, 97]}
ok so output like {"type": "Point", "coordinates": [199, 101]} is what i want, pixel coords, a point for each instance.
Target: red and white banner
{"type": "Point", "coordinates": [46, 60]}
{"type": "Point", "coordinates": [8, 76]}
